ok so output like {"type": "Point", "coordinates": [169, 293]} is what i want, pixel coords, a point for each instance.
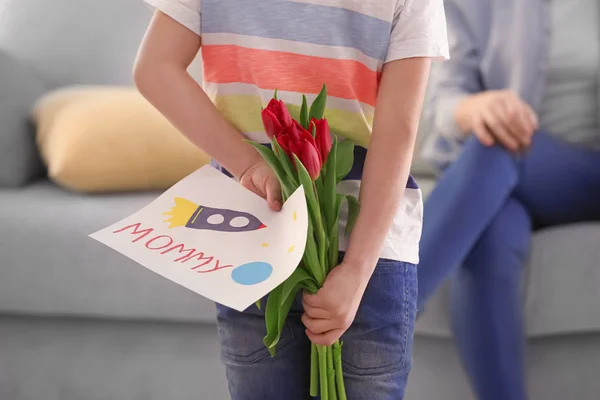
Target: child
{"type": "Point", "coordinates": [367, 52]}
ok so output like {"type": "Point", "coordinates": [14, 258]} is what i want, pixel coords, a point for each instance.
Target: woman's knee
{"type": "Point", "coordinates": [484, 165]}
{"type": "Point", "coordinates": [502, 249]}
{"type": "Point", "coordinates": [473, 147]}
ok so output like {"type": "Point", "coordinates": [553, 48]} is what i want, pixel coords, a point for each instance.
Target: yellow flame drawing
{"type": "Point", "coordinates": [181, 213]}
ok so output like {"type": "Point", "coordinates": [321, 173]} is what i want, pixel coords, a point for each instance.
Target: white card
{"type": "Point", "coordinates": [214, 237]}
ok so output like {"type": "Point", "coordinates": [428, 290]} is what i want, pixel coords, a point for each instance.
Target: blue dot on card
{"type": "Point", "coordinates": [252, 273]}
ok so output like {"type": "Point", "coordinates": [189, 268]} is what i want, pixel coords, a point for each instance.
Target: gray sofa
{"type": "Point", "coordinates": [70, 330]}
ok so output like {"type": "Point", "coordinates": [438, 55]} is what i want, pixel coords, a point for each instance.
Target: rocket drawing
{"type": "Point", "coordinates": [193, 216]}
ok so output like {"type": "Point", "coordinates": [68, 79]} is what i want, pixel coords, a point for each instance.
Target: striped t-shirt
{"type": "Point", "coordinates": [252, 47]}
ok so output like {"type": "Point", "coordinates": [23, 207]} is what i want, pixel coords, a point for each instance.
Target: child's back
{"type": "Point", "coordinates": [252, 47]}
{"type": "Point", "coordinates": [249, 49]}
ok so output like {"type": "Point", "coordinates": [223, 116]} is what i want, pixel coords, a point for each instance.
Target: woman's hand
{"type": "Point", "coordinates": [498, 116]}
{"type": "Point", "coordinates": [260, 179]}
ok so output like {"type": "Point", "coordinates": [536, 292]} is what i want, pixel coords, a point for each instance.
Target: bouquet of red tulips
{"type": "Point", "coordinates": [305, 153]}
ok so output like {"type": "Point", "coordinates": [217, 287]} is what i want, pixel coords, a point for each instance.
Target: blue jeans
{"type": "Point", "coordinates": [480, 217]}
{"type": "Point", "coordinates": [376, 353]}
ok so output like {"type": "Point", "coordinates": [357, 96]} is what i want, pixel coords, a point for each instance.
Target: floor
{"type": "Point", "coordinates": [79, 359]}
{"type": "Point", "coordinates": [107, 360]}
{"type": "Point", "coordinates": [124, 360]}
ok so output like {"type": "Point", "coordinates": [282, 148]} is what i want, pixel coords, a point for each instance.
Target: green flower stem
{"type": "Point", "coordinates": [322, 350]}
{"type": "Point", "coordinates": [311, 257]}
{"type": "Point", "coordinates": [322, 260]}
{"type": "Point", "coordinates": [331, 374]}
{"type": "Point", "coordinates": [319, 271]}
{"type": "Point", "coordinates": [315, 212]}
{"type": "Point", "coordinates": [314, 371]}
{"type": "Point", "coordinates": [285, 194]}
{"type": "Point", "coordinates": [339, 375]}
{"type": "Point", "coordinates": [319, 182]}
{"type": "Point", "coordinates": [321, 243]}
{"type": "Point", "coordinates": [334, 252]}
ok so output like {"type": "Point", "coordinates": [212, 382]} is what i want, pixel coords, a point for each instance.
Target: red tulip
{"type": "Point", "coordinates": [293, 134]}
{"type": "Point", "coordinates": [275, 118]}
{"type": "Point", "coordinates": [295, 140]}
{"type": "Point", "coordinates": [322, 137]}
{"type": "Point", "coordinates": [303, 134]}
{"type": "Point", "coordinates": [271, 123]}
{"type": "Point", "coordinates": [311, 159]}
{"type": "Point", "coordinates": [286, 145]}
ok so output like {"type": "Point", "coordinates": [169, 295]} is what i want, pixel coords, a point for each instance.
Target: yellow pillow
{"type": "Point", "coordinates": [96, 139]}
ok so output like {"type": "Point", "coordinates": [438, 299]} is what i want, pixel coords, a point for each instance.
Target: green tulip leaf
{"type": "Point", "coordinates": [272, 318]}
{"type": "Point", "coordinates": [317, 109]}
{"type": "Point", "coordinates": [353, 210]}
{"type": "Point", "coordinates": [334, 233]}
{"type": "Point", "coordinates": [328, 193]}
{"type": "Point", "coordinates": [286, 163]}
{"type": "Point", "coordinates": [299, 278]}
{"type": "Point", "coordinates": [315, 215]}
{"type": "Point", "coordinates": [311, 255]}
{"type": "Point", "coordinates": [304, 120]}
{"type": "Point", "coordinates": [282, 312]}
{"type": "Point", "coordinates": [258, 305]}
{"type": "Point", "coordinates": [319, 184]}
{"type": "Point", "coordinates": [344, 159]}
{"type": "Point", "coordinates": [309, 190]}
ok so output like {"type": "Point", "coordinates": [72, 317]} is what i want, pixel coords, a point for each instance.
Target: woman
{"type": "Point", "coordinates": [515, 114]}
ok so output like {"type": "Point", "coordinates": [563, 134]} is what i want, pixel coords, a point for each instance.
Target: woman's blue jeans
{"type": "Point", "coordinates": [479, 220]}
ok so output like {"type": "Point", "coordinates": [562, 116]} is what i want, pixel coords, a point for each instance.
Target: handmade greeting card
{"type": "Point", "coordinates": [214, 237]}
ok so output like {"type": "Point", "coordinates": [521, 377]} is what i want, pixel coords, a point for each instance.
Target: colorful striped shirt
{"type": "Point", "coordinates": [251, 47]}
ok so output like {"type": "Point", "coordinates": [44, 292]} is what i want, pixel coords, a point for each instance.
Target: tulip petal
{"type": "Point", "coordinates": [280, 111]}
{"type": "Point", "coordinates": [322, 137]}
{"type": "Point", "coordinates": [311, 159]}
{"type": "Point", "coordinates": [272, 125]}
{"type": "Point", "coordinates": [283, 114]}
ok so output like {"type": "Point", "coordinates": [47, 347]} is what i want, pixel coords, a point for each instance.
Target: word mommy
{"type": "Point", "coordinates": [165, 245]}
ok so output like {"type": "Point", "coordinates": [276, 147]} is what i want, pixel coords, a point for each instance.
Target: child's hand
{"type": "Point", "coordinates": [330, 312]}
{"type": "Point", "coordinates": [260, 179]}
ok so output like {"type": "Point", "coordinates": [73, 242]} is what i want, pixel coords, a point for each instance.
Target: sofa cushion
{"type": "Point", "coordinates": [49, 266]}
{"type": "Point", "coordinates": [19, 89]}
{"type": "Point", "coordinates": [101, 139]}
{"type": "Point", "coordinates": [560, 285]}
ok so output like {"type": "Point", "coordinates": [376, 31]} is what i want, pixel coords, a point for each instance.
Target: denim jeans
{"type": "Point", "coordinates": [376, 352]}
